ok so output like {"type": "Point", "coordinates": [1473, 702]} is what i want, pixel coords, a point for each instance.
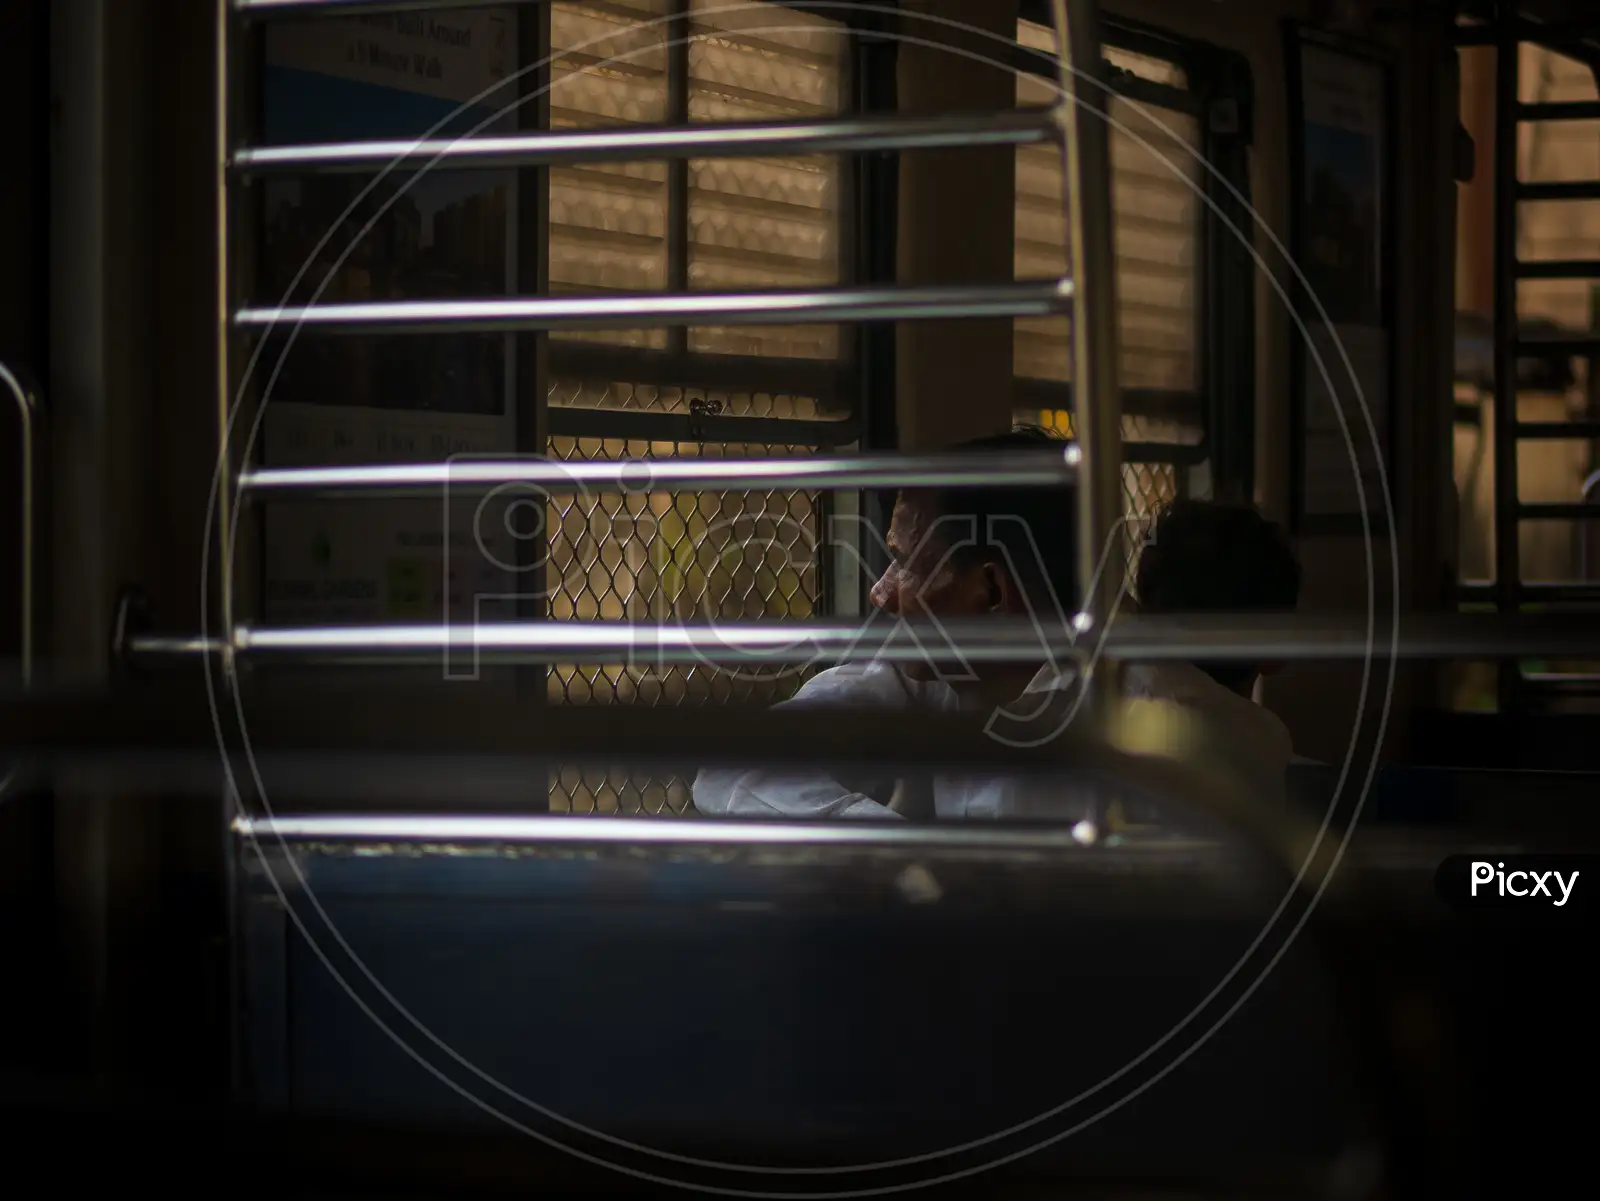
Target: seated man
{"type": "Point", "coordinates": [1211, 556]}
{"type": "Point", "coordinates": [1025, 563]}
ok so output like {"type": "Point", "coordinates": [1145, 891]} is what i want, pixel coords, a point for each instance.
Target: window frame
{"type": "Point", "coordinates": [862, 379]}
{"type": "Point", "coordinates": [1220, 95]}
{"type": "Point", "coordinates": [835, 380]}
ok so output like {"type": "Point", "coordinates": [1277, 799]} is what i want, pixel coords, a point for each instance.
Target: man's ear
{"type": "Point", "coordinates": [1000, 592]}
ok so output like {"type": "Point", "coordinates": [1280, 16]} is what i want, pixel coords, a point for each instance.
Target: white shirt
{"type": "Point", "coordinates": [1249, 738]}
{"type": "Point", "coordinates": [1256, 742]}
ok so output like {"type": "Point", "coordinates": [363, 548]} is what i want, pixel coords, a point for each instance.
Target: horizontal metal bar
{"type": "Point", "coordinates": [747, 643]}
{"type": "Point", "coordinates": [475, 746]}
{"type": "Point", "coordinates": [1573, 189]}
{"type": "Point", "coordinates": [1030, 468]}
{"type": "Point", "coordinates": [1548, 511]}
{"type": "Point", "coordinates": [1033, 298]}
{"type": "Point", "coordinates": [470, 828]}
{"type": "Point", "coordinates": [334, 799]}
{"type": "Point", "coordinates": [755, 139]}
{"type": "Point", "coordinates": [1558, 268]}
{"type": "Point", "coordinates": [1557, 431]}
{"type": "Point", "coordinates": [1371, 849]}
{"type": "Point", "coordinates": [1157, 757]}
{"type": "Point", "coordinates": [946, 470]}
{"type": "Point", "coordinates": [1565, 110]}
{"type": "Point", "coordinates": [574, 421]}
{"type": "Point", "coordinates": [1221, 638]}
{"type": "Point", "coordinates": [375, 787]}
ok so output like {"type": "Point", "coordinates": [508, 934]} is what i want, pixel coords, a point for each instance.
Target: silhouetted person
{"type": "Point", "coordinates": [1219, 557]}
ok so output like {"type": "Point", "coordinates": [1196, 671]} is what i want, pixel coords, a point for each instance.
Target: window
{"type": "Point", "coordinates": [710, 225]}
{"type": "Point", "coordinates": [1156, 194]}
{"type": "Point", "coordinates": [707, 225]}
{"type": "Point", "coordinates": [1554, 554]}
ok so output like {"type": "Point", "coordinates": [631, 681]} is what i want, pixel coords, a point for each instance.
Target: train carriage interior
{"type": "Point", "coordinates": [800, 599]}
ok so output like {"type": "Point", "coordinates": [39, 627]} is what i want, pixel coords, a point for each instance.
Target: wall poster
{"type": "Point", "coordinates": [413, 397]}
{"type": "Point", "coordinates": [1341, 211]}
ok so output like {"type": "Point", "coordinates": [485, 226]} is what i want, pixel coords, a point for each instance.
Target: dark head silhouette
{"type": "Point", "coordinates": [1218, 557]}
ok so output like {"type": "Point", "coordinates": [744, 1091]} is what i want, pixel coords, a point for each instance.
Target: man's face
{"type": "Point", "coordinates": [923, 579]}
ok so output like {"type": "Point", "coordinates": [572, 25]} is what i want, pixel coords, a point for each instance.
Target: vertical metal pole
{"type": "Point", "coordinates": [224, 101]}
{"type": "Point", "coordinates": [1589, 531]}
{"type": "Point", "coordinates": [27, 409]}
{"type": "Point", "coordinates": [531, 350]}
{"type": "Point", "coordinates": [877, 258]}
{"type": "Point", "coordinates": [1095, 353]}
{"type": "Point", "coordinates": [224, 382]}
{"type": "Point", "coordinates": [85, 392]}
{"type": "Point", "coordinates": [1508, 568]}
{"type": "Point", "coordinates": [877, 236]}
{"type": "Point", "coordinates": [677, 66]}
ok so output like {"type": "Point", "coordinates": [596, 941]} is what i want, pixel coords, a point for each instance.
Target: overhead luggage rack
{"type": "Point", "coordinates": [1092, 463]}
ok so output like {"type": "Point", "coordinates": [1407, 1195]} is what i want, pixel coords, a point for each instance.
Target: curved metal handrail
{"type": "Point", "coordinates": [27, 403]}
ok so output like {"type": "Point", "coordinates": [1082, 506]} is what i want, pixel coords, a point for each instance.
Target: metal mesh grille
{"type": "Point", "coordinates": [663, 557]}
{"type": "Point", "coordinates": [1146, 487]}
